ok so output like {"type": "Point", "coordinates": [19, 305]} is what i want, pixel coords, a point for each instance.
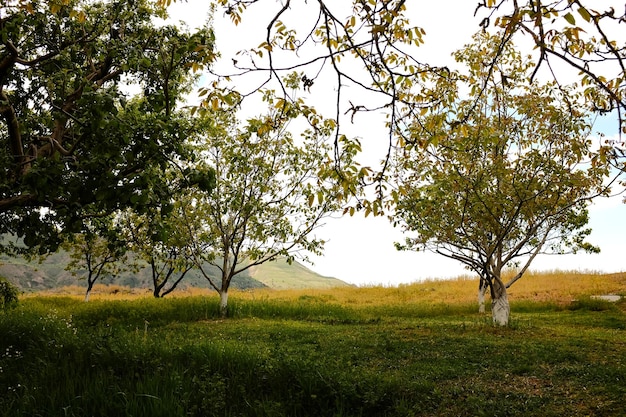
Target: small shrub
{"type": "Point", "coordinates": [8, 294]}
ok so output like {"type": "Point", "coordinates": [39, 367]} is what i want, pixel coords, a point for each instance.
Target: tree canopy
{"type": "Point", "coordinates": [369, 52]}
{"type": "Point", "coordinates": [88, 98]}
{"type": "Point", "coordinates": [366, 53]}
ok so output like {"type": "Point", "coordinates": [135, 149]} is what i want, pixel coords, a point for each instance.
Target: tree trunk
{"type": "Point", "coordinates": [500, 308]}
{"type": "Point", "coordinates": [223, 303]}
{"type": "Point", "coordinates": [482, 289]}
{"type": "Point", "coordinates": [90, 283]}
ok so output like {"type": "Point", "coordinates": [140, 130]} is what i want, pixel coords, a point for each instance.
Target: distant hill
{"type": "Point", "coordinates": [51, 273]}
{"type": "Point", "coordinates": [280, 275]}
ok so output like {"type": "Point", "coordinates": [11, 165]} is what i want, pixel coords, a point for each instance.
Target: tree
{"type": "Point", "coordinates": [366, 53]}
{"type": "Point", "coordinates": [154, 240]}
{"type": "Point", "coordinates": [271, 193]}
{"type": "Point", "coordinates": [98, 250]}
{"type": "Point", "coordinates": [73, 138]}
{"type": "Point", "coordinates": [158, 235]}
{"type": "Point", "coordinates": [511, 182]}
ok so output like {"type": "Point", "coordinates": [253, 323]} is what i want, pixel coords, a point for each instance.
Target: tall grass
{"type": "Point", "coordinates": [553, 287]}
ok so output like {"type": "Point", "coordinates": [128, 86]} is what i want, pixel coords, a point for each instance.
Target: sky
{"type": "Point", "coordinates": [361, 250]}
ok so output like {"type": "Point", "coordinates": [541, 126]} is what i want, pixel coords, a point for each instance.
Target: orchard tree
{"type": "Point", "coordinates": [88, 98]}
{"type": "Point", "coordinates": [272, 192]}
{"type": "Point", "coordinates": [158, 236]}
{"type": "Point", "coordinates": [98, 251]}
{"type": "Point", "coordinates": [511, 182]}
{"type": "Point", "coordinates": [154, 239]}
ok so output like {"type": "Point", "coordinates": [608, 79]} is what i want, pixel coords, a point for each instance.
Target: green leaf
{"type": "Point", "coordinates": [585, 14]}
{"type": "Point", "coordinates": [570, 19]}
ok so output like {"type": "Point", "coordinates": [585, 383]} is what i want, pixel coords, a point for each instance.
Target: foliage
{"type": "Point", "coordinates": [158, 238]}
{"type": "Point", "coordinates": [98, 250]}
{"type": "Point", "coordinates": [157, 235]}
{"type": "Point", "coordinates": [272, 191]}
{"type": "Point", "coordinates": [8, 294]}
{"type": "Point", "coordinates": [511, 181]}
{"type": "Point", "coordinates": [365, 55]}
{"type": "Point", "coordinates": [64, 62]}
{"type": "Point", "coordinates": [88, 92]}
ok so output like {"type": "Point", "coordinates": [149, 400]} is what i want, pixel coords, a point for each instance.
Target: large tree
{"type": "Point", "coordinates": [73, 141]}
{"type": "Point", "coordinates": [512, 181]}
{"type": "Point", "coordinates": [272, 193]}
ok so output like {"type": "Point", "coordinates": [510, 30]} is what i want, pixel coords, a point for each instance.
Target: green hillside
{"type": "Point", "coordinates": [281, 275]}
{"type": "Point", "coordinates": [51, 273]}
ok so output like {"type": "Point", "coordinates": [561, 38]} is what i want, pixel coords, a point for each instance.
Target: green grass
{"type": "Point", "coordinates": [309, 356]}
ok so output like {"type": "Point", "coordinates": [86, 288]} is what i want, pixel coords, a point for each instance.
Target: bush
{"type": "Point", "coordinates": [8, 294]}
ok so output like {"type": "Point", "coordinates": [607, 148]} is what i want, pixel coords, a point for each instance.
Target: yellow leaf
{"type": "Point", "coordinates": [377, 29]}
{"type": "Point", "coordinates": [280, 103]}
{"type": "Point", "coordinates": [266, 46]}
{"type": "Point", "coordinates": [215, 104]}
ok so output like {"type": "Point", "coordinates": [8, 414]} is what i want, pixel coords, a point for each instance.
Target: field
{"type": "Point", "coordinates": [412, 350]}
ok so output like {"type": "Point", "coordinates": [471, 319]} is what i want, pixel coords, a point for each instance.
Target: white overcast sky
{"type": "Point", "coordinates": [360, 250]}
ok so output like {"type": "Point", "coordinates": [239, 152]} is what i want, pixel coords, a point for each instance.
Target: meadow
{"type": "Point", "coordinates": [413, 350]}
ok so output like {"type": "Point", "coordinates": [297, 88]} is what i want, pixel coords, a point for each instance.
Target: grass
{"type": "Point", "coordinates": [413, 350]}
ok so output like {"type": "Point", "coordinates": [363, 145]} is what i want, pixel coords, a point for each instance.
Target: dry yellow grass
{"type": "Point", "coordinates": [98, 292]}
{"type": "Point", "coordinates": [555, 286]}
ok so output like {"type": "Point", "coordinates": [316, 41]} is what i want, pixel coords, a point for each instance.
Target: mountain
{"type": "Point", "coordinates": [50, 273]}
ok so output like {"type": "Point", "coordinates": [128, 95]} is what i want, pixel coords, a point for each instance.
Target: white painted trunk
{"type": "Point", "coordinates": [500, 310]}
{"type": "Point", "coordinates": [482, 289]}
{"type": "Point", "coordinates": [223, 303]}
{"type": "Point", "coordinates": [87, 295]}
